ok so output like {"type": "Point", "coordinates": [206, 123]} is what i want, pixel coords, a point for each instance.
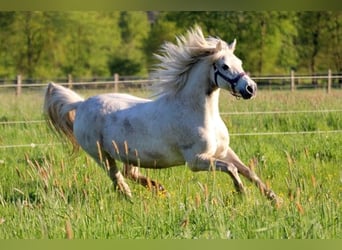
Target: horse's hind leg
{"type": "Point", "coordinates": [116, 177]}
{"type": "Point", "coordinates": [134, 174]}
{"type": "Point", "coordinates": [109, 164]}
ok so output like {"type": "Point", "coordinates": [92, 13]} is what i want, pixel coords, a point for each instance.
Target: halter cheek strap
{"type": "Point", "coordinates": [232, 82]}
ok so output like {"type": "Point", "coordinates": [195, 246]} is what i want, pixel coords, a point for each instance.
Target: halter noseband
{"type": "Point", "coordinates": [232, 82]}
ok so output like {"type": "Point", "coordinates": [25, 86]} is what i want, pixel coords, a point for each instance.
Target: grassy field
{"type": "Point", "coordinates": [45, 192]}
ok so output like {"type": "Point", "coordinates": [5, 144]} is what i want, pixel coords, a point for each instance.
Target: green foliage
{"type": "Point", "coordinates": [309, 37]}
{"type": "Point", "coordinates": [52, 44]}
{"type": "Point", "coordinates": [162, 31]}
{"type": "Point", "coordinates": [331, 42]}
{"type": "Point", "coordinates": [129, 59]}
{"type": "Point", "coordinates": [90, 38]}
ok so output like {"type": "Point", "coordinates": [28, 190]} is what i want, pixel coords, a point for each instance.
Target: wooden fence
{"type": "Point", "coordinates": [291, 82]}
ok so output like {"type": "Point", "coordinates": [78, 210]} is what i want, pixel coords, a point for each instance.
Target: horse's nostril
{"type": "Point", "coordinates": [250, 89]}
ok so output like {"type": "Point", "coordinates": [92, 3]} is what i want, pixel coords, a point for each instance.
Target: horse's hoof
{"type": "Point", "coordinates": [240, 189]}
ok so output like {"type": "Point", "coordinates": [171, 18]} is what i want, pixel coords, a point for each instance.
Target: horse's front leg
{"type": "Point", "coordinates": [232, 158]}
{"type": "Point", "coordinates": [201, 163]}
{"type": "Point", "coordinates": [232, 165]}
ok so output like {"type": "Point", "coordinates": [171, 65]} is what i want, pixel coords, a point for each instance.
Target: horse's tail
{"type": "Point", "coordinates": [60, 106]}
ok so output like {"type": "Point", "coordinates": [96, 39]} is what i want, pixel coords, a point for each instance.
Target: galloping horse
{"type": "Point", "coordinates": [182, 125]}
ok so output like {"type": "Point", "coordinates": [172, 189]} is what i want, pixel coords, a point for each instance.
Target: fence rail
{"type": "Point", "coordinates": [326, 80]}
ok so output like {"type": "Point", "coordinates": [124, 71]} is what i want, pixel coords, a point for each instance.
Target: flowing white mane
{"type": "Point", "coordinates": [177, 59]}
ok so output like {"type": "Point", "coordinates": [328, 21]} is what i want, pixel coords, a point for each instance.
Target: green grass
{"type": "Point", "coordinates": [47, 193]}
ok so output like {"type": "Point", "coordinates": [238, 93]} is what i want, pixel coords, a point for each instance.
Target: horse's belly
{"type": "Point", "coordinates": [146, 156]}
{"type": "Point", "coordinates": [157, 160]}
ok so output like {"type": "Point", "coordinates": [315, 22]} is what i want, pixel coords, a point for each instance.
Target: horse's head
{"type": "Point", "coordinates": [227, 72]}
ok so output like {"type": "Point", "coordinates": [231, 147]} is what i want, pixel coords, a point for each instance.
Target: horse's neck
{"type": "Point", "coordinates": [195, 92]}
{"type": "Point", "coordinates": [213, 102]}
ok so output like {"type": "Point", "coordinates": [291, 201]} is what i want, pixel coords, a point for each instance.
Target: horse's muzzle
{"type": "Point", "coordinates": [249, 92]}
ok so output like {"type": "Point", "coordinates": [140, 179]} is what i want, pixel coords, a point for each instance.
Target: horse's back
{"type": "Point", "coordinates": [91, 116]}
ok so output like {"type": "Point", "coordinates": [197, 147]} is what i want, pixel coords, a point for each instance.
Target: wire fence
{"type": "Point", "coordinates": [288, 82]}
{"type": "Point", "coordinates": [222, 114]}
{"type": "Point", "coordinates": [280, 133]}
{"type": "Point", "coordinates": [275, 133]}
{"type": "Point", "coordinates": [292, 81]}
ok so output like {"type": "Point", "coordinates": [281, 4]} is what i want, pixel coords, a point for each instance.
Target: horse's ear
{"type": "Point", "coordinates": [232, 45]}
{"type": "Point", "coordinates": [219, 45]}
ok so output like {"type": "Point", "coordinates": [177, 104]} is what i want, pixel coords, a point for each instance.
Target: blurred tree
{"type": "Point", "coordinates": [309, 43]}
{"type": "Point", "coordinates": [34, 42]}
{"type": "Point", "coordinates": [6, 60]}
{"type": "Point", "coordinates": [28, 40]}
{"type": "Point", "coordinates": [170, 24]}
{"type": "Point", "coordinates": [88, 40]}
{"type": "Point", "coordinates": [262, 36]}
{"type": "Point", "coordinates": [161, 31]}
{"type": "Point", "coordinates": [130, 58]}
{"type": "Point", "coordinates": [330, 55]}
{"type": "Point", "coordinates": [267, 41]}
{"type": "Point", "coordinates": [54, 44]}
{"type": "Point", "coordinates": [53, 53]}
{"type": "Point", "coordinates": [223, 24]}
{"type": "Point", "coordinates": [288, 55]}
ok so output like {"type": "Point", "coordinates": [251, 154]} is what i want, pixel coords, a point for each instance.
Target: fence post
{"type": "Point", "coordinates": [292, 81]}
{"type": "Point", "coordinates": [69, 81]}
{"type": "Point", "coordinates": [116, 82]}
{"type": "Point", "coordinates": [329, 82]}
{"type": "Point", "coordinates": [18, 88]}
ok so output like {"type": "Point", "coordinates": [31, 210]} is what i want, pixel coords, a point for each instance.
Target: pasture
{"type": "Point", "coordinates": [47, 192]}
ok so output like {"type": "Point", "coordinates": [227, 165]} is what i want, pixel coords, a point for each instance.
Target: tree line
{"type": "Point", "coordinates": [52, 44]}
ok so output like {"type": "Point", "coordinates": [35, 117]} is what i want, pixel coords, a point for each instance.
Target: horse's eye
{"type": "Point", "coordinates": [225, 67]}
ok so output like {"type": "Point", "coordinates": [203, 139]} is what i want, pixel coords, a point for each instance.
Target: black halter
{"type": "Point", "coordinates": [232, 82]}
